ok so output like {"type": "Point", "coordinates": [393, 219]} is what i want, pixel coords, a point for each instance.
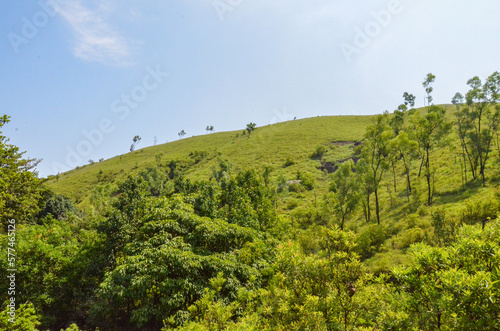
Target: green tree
{"type": "Point", "coordinates": [463, 126]}
{"type": "Point", "coordinates": [346, 195]}
{"type": "Point", "coordinates": [430, 131]}
{"type": "Point", "coordinates": [135, 141]}
{"type": "Point", "coordinates": [406, 149]}
{"type": "Point", "coordinates": [427, 84]}
{"type": "Point", "coordinates": [25, 319]}
{"type": "Point", "coordinates": [20, 189]}
{"type": "Point", "coordinates": [454, 287]}
{"type": "Point", "coordinates": [483, 117]}
{"type": "Point", "coordinates": [250, 127]}
{"type": "Point", "coordinates": [375, 152]}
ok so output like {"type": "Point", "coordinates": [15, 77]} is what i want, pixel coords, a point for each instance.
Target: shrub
{"type": "Point", "coordinates": [307, 180]}
{"type": "Point", "coordinates": [370, 240]}
{"type": "Point", "coordinates": [296, 187]}
{"type": "Point", "coordinates": [289, 162]}
{"type": "Point", "coordinates": [319, 152]}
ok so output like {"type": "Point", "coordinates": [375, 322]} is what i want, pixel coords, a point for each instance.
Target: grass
{"type": "Point", "coordinates": [268, 145]}
{"type": "Point", "coordinates": [276, 145]}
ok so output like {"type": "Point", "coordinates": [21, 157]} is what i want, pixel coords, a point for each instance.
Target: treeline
{"type": "Point", "coordinates": [409, 137]}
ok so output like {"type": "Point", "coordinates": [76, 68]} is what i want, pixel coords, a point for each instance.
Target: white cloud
{"type": "Point", "coordinates": [95, 39]}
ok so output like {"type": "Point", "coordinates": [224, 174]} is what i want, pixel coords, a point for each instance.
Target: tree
{"type": "Point", "coordinates": [375, 152]}
{"type": "Point", "coordinates": [481, 118]}
{"type": "Point", "coordinates": [409, 99]}
{"type": "Point", "coordinates": [427, 84]}
{"type": "Point", "coordinates": [430, 132]}
{"type": "Point", "coordinates": [346, 195]}
{"type": "Point", "coordinates": [181, 134]}
{"type": "Point", "coordinates": [406, 148]}
{"type": "Point", "coordinates": [135, 141]}
{"type": "Point", "coordinates": [250, 127]}
{"type": "Point", "coordinates": [210, 128]}
{"type": "Point", "coordinates": [20, 189]}
{"type": "Point", "coordinates": [454, 287]}
{"type": "Point", "coordinates": [462, 124]}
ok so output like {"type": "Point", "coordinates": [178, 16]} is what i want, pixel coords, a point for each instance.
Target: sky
{"type": "Point", "coordinates": [81, 78]}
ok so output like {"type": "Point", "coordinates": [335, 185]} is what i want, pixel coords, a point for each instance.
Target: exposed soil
{"type": "Point", "coordinates": [331, 167]}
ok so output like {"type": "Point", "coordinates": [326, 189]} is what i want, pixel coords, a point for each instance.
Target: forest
{"type": "Point", "coordinates": [396, 230]}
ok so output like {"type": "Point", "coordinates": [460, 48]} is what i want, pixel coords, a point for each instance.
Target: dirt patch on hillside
{"type": "Point", "coordinates": [331, 167]}
{"type": "Point", "coordinates": [345, 143]}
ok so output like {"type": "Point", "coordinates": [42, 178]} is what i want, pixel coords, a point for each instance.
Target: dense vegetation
{"type": "Point", "coordinates": [396, 230]}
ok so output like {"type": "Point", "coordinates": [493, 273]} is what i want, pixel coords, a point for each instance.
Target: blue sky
{"type": "Point", "coordinates": [81, 78]}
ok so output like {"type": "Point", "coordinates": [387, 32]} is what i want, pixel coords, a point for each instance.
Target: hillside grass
{"type": "Point", "coordinates": [269, 145]}
{"type": "Point", "coordinates": [402, 222]}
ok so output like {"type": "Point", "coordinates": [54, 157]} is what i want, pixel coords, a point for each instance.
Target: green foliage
{"type": "Point", "coordinates": [375, 153]}
{"type": "Point", "coordinates": [289, 162]}
{"type": "Point", "coordinates": [57, 206]}
{"type": "Point", "coordinates": [346, 192]}
{"type": "Point", "coordinates": [369, 240]}
{"type": "Point", "coordinates": [250, 128]}
{"type": "Point", "coordinates": [478, 122]}
{"type": "Point", "coordinates": [166, 255]}
{"type": "Point", "coordinates": [20, 189]}
{"type": "Point", "coordinates": [307, 180]}
{"type": "Point", "coordinates": [25, 319]}
{"type": "Point", "coordinates": [454, 287]}
{"type": "Point", "coordinates": [60, 263]}
{"type": "Point", "coordinates": [157, 180]}
{"type": "Point", "coordinates": [319, 152]}
{"type": "Point", "coordinates": [445, 228]}
{"type": "Point", "coordinates": [430, 132]}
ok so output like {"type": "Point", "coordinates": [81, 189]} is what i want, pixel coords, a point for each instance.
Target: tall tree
{"type": "Point", "coordinates": [375, 152]}
{"type": "Point", "coordinates": [345, 187]}
{"type": "Point", "coordinates": [483, 115]}
{"type": "Point", "coordinates": [19, 186]}
{"type": "Point", "coordinates": [430, 131]}
{"type": "Point", "coordinates": [429, 80]}
{"type": "Point", "coordinates": [135, 141]}
{"type": "Point", "coordinates": [462, 124]}
{"type": "Point", "coordinates": [405, 148]}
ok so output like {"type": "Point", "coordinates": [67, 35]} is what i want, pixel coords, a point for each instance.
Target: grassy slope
{"type": "Point", "coordinates": [296, 140]}
{"type": "Point", "coordinates": [271, 144]}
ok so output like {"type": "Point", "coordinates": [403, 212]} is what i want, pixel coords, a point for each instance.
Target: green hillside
{"type": "Point", "coordinates": [269, 145]}
{"type": "Point", "coordinates": [386, 222]}
{"type": "Point", "coordinates": [289, 148]}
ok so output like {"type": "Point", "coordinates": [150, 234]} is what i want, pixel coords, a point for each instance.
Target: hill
{"type": "Point", "coordinates": [307, 224]}
{"type": "Point", "coordinates": [311, 148]}
{"type": "Point", "coordinates": [269, 145]}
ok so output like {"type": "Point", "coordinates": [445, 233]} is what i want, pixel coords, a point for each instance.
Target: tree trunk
{"type": "Point", "coordinates": [394, 175]}
{"type": "Point", "coordinates": [428, 177]}
{"type": "Point", "coordinates": [377, 208]}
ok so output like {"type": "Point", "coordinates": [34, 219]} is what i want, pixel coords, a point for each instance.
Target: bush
{"type": "Point", "coordinates": [58, 206]}
{"type": "Point", "coordinates": [319, 152]}
{"type": "Point", "coordinates": [304, 217]}
{"type": "Point", "coordinates": [296, 187]}
{"type": "Point", "coordinates": [25, 318]}
{"type": "Point", "coordinates": [289, 162]}
{"type": "Point", "coordinates": [307, 180]}
{"type": "Point", "coordinates": [370, 240]}
{"type": "Point", "coordinates": [408, 237]}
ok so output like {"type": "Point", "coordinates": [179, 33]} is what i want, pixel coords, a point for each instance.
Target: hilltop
{"type": "Point", "coordinates": [269, 145]}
